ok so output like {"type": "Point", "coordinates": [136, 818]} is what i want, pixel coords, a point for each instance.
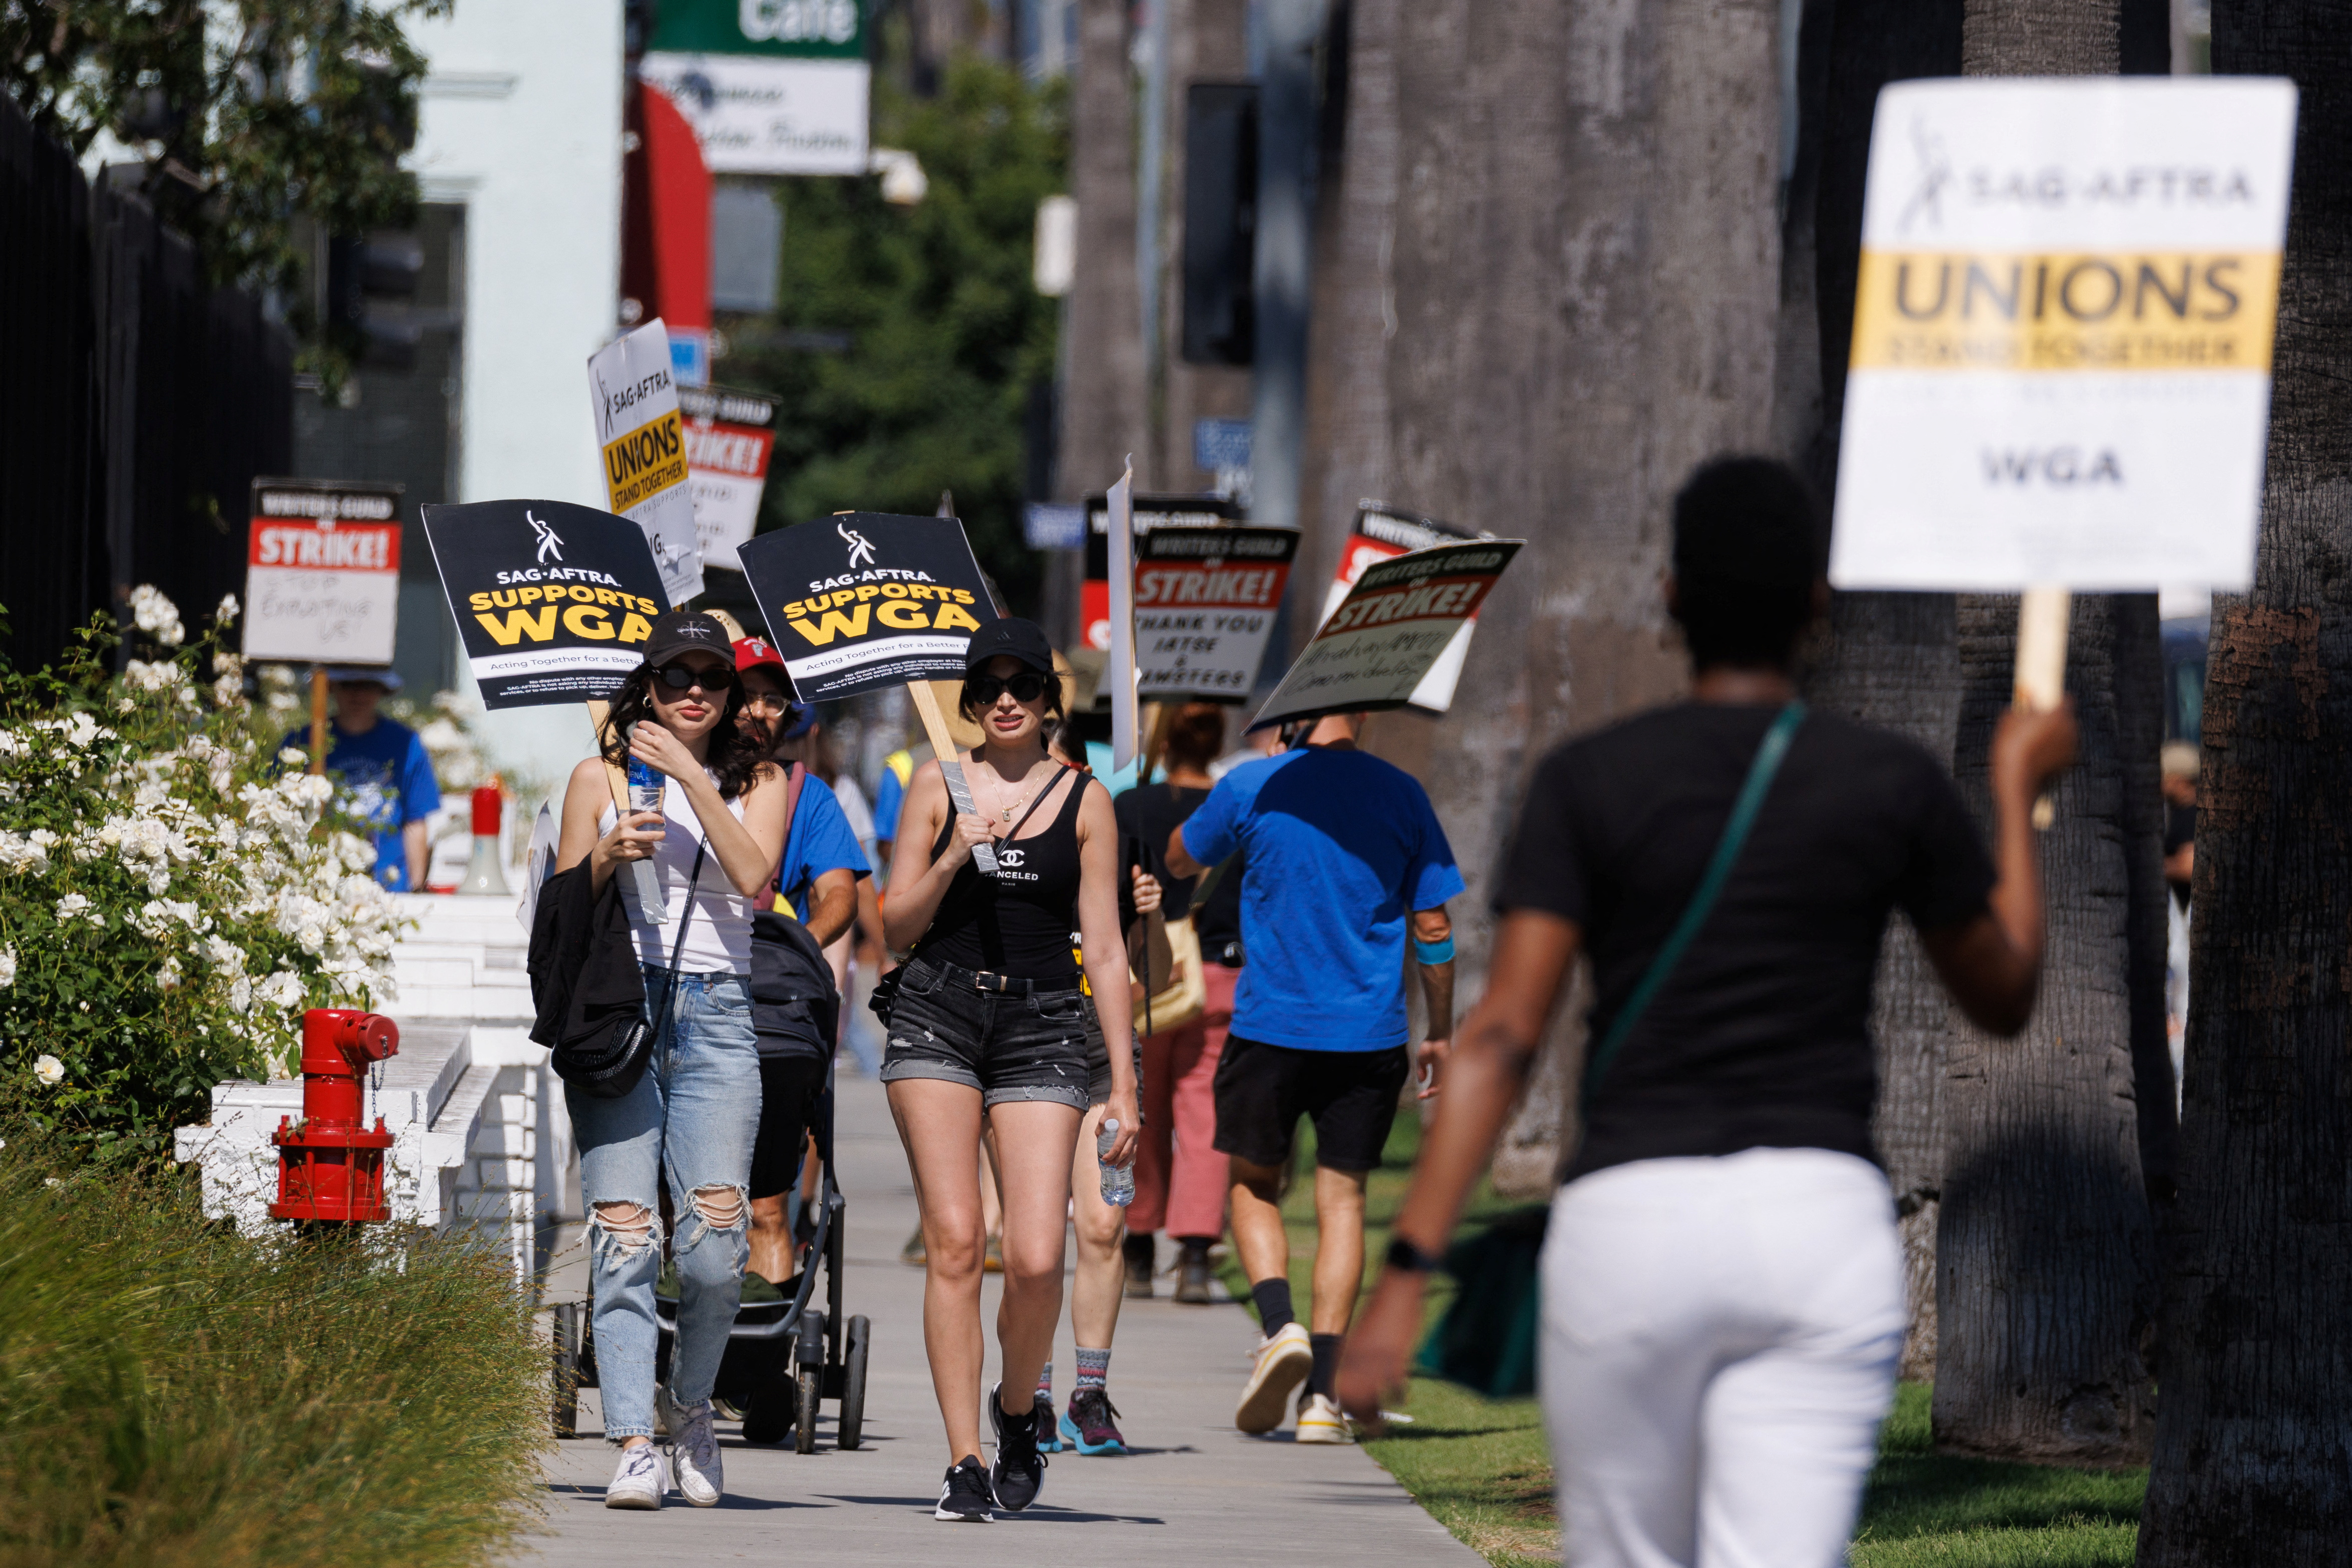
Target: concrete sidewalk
{"type": "Point", "coordinates": [1195, 1491]}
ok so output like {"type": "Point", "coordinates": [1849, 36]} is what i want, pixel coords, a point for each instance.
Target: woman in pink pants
{"type": "Point", "coordinates": [1180, 1180]}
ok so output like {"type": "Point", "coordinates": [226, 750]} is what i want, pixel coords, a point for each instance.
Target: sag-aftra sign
{"type": "Point", "coordinates": [2062, 339]}
{"type": "Point", "coordinates": [554, 601]}
{"type": "Point", "coordinates": [868, 600]}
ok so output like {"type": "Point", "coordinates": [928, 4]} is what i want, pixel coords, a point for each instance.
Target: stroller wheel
{"type": "Point", "coordinates": [849, 1425]}
{"type": "Point", "coordinates": [811, 1389]}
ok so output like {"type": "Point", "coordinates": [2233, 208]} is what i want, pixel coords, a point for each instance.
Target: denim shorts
{"type": "Point", "coordinates": [1008, 1047]}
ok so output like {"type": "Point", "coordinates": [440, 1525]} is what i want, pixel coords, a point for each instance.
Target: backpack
{"type": "Point", "coordinates": [795, 1011]}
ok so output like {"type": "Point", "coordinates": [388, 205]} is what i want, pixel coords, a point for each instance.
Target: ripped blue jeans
{"type": "Point", "coordinates": [690, 1121]}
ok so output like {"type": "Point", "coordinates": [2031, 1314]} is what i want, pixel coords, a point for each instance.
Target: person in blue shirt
{"type": "Point", "coordinates": [816, 881]}
{"type": "Point", "coordinates": [384, 777]}
{"type": "Point", "coordinates": [1345, 861]}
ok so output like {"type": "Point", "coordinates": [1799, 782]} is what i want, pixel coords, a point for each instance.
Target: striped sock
{"type": "Point", "coordinates": [1045, 1381]}
{"type": "Point", "coordinates": [1093, 1367]}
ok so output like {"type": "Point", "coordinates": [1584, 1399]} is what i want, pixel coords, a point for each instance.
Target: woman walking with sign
{"type": "Point", "coordinates": [988, 1021]}
{"type": "Point", "coordinates": [714, 838]}
{"type": "Point", "coordinates": [1722, 1292]}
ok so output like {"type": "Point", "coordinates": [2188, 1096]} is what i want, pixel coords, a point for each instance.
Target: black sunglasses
{"type": "Point", "coordinates": [685, 677]}
{"type": "Point", "coordinates": [1027, 687]}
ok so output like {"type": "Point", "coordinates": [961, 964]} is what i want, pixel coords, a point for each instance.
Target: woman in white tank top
{"type": "Point", "coordinates": [691, 1119]}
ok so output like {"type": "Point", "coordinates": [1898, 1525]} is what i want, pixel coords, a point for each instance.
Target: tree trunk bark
{"type": "Point", "coordinates": [2045, 1250]}
{"type": "Point", "coordinates": [1586, 273]}
{"type": "Point", "coordinates": [1891, 659]}
{"type": "Point", "coordinates": [2252, 1464]}
{"type": "Point", "coordinates": [1102, 375]}
{"type": "Point", "coordinates": [2044, 1254]}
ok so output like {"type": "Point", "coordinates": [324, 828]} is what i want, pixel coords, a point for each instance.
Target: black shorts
{"type": "Point", "coordinates": [1007, 1046]}
{"type": "Point", "coordinates": [789, 1087]}
{"type": "Point", "coordinates": [1351, 1095]}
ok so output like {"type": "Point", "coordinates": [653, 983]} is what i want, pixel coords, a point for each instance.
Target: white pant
{"type": "Point", "coordinates": [1719, 1344]}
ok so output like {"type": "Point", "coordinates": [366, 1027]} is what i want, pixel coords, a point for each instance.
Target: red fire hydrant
{"type": "Point", "coordinates": [331, 1167]}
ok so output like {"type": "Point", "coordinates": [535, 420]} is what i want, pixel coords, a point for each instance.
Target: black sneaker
{"type": "Point", "coordinates": [964, 1494]}
{"type": "Point", "coordinates": [1019, 1469]}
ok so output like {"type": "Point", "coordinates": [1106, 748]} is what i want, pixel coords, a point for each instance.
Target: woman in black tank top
{"type": "Point", "coordinates": [990, 1022]}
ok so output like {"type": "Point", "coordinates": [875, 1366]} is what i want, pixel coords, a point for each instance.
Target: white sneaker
{"type": "Point", "coordinates": [638, 1482]}
{"type": "Point", "coordinates": [1283, 1363]}
{"type": "Point", "coordinates": [694, 1453]}
{"type": "Point", "coordinates": [1319, 1421]}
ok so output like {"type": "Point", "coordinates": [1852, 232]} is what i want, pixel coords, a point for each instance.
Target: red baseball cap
{"type": "Point", "coordinates": [752, 653]}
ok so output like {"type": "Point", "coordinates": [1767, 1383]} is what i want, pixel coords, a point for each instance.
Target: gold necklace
{"type": "Point", "coordinates": [1006, 812]}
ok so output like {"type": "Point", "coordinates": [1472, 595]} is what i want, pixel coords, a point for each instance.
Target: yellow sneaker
{"type": "Point", "coordinates": [1321, 1421]}
{"type": "Point", "coordinates": [1284, 1361]}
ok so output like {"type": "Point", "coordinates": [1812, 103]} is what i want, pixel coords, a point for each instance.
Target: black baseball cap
{"type": "Point", "coordinates": [679, 632]}
{"type": "Point", "coordinates": [1019, 639]}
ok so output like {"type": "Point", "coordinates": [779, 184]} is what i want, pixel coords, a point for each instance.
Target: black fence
{"type": "Point", "coordinates": [137, 402]}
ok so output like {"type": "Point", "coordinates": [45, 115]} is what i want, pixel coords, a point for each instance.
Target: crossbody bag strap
{"type": "Point", "coordinates": [678, 947]}
{"type": "Point", "coordinates": [778, 895]}
{"type": "Point", "coordinates": [1744, 811]}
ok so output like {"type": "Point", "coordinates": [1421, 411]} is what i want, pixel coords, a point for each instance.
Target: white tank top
{"type": "Point", "coordinates": [718, 933]}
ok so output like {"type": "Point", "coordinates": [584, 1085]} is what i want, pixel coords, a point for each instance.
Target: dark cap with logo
{"type": "Point", "coordinates": [1010, 637]}
{"type": "Point", "coordinates": [679, 632]}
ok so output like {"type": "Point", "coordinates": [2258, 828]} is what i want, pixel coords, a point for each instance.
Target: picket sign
{"type": "Point", "coordinates": [1119, 668]}
{"type": "Point", "coordinates": [554, 603]}
{"type": "Point", "coordinates": [862, 602]}
{"type": "Point", "coordinates": [2060, 380]}
{"type": "Point", "coordinates": [641, 438]}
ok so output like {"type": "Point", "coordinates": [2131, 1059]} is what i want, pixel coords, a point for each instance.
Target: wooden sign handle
{"type": "Point", "coordinates": [317, 719]}
{"type": "Point", "coordinates": [647, 891]}
{"type": "Point", "coordinates": [935, 726]}
{"type": "Point", "coordinates": [2040, 684]}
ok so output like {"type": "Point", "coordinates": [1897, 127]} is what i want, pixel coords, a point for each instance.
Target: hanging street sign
{"type": "Point", "coordinates": [770, 87]}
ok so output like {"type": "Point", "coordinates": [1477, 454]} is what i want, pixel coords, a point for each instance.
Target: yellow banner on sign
{"type": "Point", "coordinates": [1927, 310]}
{"type": "Point", "coordinates": [645, 461]}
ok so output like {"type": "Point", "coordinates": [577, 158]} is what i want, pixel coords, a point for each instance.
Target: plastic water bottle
{"type": "Point", "coordinates": [645, 783]}
{"type": "Point", "coordinates": [1118, 1181]}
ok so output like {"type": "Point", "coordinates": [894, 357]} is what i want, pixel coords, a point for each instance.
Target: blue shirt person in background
{"type": "Point", "coordinates": [383, 776]}
{"type": "Point", "coordinates": [1345, 862]}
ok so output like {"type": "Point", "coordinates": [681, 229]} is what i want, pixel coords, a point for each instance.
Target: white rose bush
{"type": "Point", "coordinates": [172, 894]}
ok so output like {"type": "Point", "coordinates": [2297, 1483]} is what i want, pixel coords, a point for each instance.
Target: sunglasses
{"type": "Point", "coordinates": [1027, 687]}
{"type": "Point", "coordinates": [685, 677]}
{"type": "Point", "coordinates": [774, 702]}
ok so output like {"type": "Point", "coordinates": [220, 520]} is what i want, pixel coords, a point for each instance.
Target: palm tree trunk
{"type": "Point", "coordinates": [1586, 277]}
{"type": "Point", "coordinates": [2045, 1250]}
{"type": "Point", "coordinates": [2250, 1463]}
{"type": "Point", "coordinates": [1891, 659]}
{"type": "Point", "coordinates": [1102, 404]}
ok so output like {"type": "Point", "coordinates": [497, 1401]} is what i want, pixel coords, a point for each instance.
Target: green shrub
{"type": "Point", "coordinates": [175, 1395]}
{"type": "Point", "coordinates": [172, 894]}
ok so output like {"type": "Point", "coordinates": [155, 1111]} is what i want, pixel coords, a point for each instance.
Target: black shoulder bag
{"type": "Point", "coordinates": [609, 1067]}
{"type": "Point", "coordinates": [795, 1011]}
{"type": "Point", "coordinates": [1486, 1340]}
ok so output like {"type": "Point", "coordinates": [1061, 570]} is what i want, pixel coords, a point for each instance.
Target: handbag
{"type": "Point", "coordinates": [1185, 997]}
{"type": "Point", "coordinates": [1487, 1339]}
{"type": "Point", "coordinates": [612, 1072]}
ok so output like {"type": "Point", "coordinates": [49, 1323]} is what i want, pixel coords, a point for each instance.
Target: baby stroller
{"type": "Point", "coordinates": [783, 1358]}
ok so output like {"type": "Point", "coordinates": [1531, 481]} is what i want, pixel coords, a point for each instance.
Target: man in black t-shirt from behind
{"type": "Point", "coordinates": [1722, 1299]}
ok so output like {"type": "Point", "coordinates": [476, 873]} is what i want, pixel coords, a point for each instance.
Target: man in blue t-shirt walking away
{"type": "Point", "coordinates": [383, 774]}
{"type": "Point", "coordinates": [1345, 862]}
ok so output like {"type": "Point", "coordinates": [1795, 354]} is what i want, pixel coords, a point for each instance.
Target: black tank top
{"type": "Point", "coordinates": [1019, 921]}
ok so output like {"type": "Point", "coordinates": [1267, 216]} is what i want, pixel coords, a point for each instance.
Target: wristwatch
{"type": "Point", "coordinates": [1408, 1259]}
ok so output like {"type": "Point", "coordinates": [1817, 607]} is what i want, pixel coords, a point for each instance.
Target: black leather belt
{"type": "Point", "coordinates": [1007, 985]}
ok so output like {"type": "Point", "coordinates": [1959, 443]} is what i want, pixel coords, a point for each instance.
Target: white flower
{"type": "Point", "coordinates": [7, 966]}
{"type": "Point", "coordinates": [228, 692]}
{"type": "Point", "coordinates": [71, 907]}
{"type": "Point", "coordinates": [12, 746]}
{"type": "Point", "coordinates": [292, 757]}
{"type": "Point", "coordinates": [23, 853]}
{"type": "Point", "coordinates": [124, 705]}
{"type": "Point", "coordinates": [167, 975]}
{"type": "Point", "coordinates": [156, 615]}
{"type": "Point", "coordinates": [240, 994]}
{"type": "Point", "coordinates": [50, 1070]}
{"type": "Point", "coordinates": [229, 608]}
{"type": "Point", "coordinates": [164, 674]}
{"type": "Point", "coordinates": [283, 990]}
